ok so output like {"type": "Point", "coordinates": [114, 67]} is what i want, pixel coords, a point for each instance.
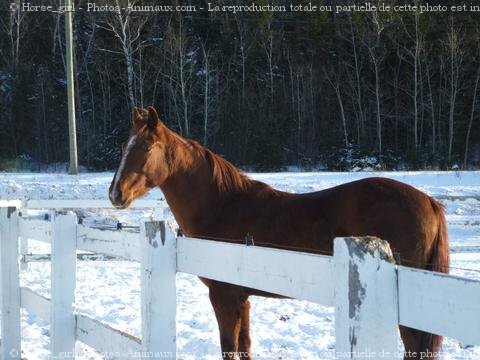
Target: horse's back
{"type": "Point", "coordinates": [382, 207]}
{"type": "Point", "coordinates": [404, 216]}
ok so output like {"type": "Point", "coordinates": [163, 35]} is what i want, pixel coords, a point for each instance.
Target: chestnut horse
{"type": "Point", "coordinates": [210, 198]}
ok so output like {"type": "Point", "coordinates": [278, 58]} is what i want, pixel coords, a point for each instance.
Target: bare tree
{"type": "Point", "coordinates": [373, 45]}
{"type": "Point", "coordinates": [205, 72]}
{"type": "Point", "coordinates": [454, 47]}
{"type": "Point", "coordinates": [14, 29]}
{"type": "Point", "coordinates": [183, 72]}
{"type": "Point", "coordinates": [472, 115]}
{"type": "Point", "coordinates": [15, 32]}
{"type": "Point", "coordinates": [414, 55]}
{"type": "Point", "coordinates": [267, 45]}
{"type": "Point", "coordinates": [336, 86]}
{"type": "Point", "coordinates": [357, 87]}
{"type": "Point", "coordinates": [244, 49]}
{"type": "Point", "coordinates": [128, 31]}
{"type": "Point", "coordinates": [432, 106]}
{"type": "Point", "coordinates": [180, 56]}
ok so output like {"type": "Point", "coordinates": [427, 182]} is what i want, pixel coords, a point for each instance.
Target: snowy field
{"type": "Point", "coordinates": [281, 329]}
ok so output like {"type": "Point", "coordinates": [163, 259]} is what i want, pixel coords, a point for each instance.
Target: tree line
{"type": "Point", "coordinates": [346, 90]}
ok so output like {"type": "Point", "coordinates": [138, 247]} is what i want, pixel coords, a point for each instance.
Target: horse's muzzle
{"type": "Point", "coordinates": [116, 199]}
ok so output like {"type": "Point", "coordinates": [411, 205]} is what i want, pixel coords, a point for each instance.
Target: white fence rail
{"type": "Point", "coordinates": [123, 244]}
{"type": "Point", "coordinates": [293, 274]}
{"type": "Point", "coordinates": [371, 295]}
{"type": "Point", "coordinates": [454, 300]}
{"type": "Point", "coordinates": [76, 204]}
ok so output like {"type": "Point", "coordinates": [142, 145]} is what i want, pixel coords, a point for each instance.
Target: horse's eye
{"type": "Point", "coordinates": [145, 147]}
{"type": "Point", "coordinates": [124, 144]}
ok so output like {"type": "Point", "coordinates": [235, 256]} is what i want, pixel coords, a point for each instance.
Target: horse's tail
{"type": "Point", "coordinates": [439, 261]}
{"type": "Point", "coordinates": [440, 257]}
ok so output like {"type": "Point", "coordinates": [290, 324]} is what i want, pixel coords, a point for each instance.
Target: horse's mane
{"type": "Point", "coordinates": [224, 174]}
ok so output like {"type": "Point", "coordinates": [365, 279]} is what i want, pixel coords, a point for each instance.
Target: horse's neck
{"type": "Point", "coordinates": [189, 190]}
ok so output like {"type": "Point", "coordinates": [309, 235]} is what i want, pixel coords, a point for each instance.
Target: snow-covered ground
{"type": "Point", "coordinates": [281, 329]}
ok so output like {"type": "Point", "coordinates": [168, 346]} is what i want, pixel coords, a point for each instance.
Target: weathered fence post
{"type": "Point", "coordinates": [159, 266]}
{"type": "Point", "coordinates": [23, 246]}
{"type": "Point", "coordinates": [10, 291]}
{"type": "Point", "coordinates": [366, 300]}
{"type": "Point", "coordinates": [158, 211]}
{"type": "Point", "coordinates": [64, 262]}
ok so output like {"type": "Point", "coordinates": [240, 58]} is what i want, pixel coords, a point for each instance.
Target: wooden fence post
{"type": "Point", "coordinates": [366, 299]}
{"type": "Point", "coordinates": [159, 266]}
{"type": "Point", "coordinates": [158, 211]}
{"type": "Point", "coordinates": [10, 283]}
{"type": "Point", "coordinates": [63, 273]}
{"type": "Point", "coordinates": [23, 246]}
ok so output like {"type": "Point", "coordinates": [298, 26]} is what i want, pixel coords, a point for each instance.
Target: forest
{"type": "Point", "coordinates": [325, 89]}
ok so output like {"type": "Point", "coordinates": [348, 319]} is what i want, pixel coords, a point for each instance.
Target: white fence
{"type": "Point", "coordinates": [371, 295]}
{"type": "Point", "coordinates": [62, 231]}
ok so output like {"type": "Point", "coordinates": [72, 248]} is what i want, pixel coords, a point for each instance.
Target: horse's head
{"type": "Point", "coordinates": [144, 159]}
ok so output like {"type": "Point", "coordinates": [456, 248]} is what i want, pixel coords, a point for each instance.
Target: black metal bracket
{"type": "Point", "coordinates": [249, 240]}
{"type": "Point", "coordinates": [396, 256]}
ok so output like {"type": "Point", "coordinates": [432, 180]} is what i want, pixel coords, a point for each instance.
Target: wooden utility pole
{"type": "Point", "coordinates": [72, 128]}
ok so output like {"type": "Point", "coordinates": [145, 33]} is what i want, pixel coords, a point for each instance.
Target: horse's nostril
{"type": "Point", "coordinates": [115, 196]}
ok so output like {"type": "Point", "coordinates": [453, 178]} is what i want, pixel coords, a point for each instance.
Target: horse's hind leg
{"type": "Point", "coordinates": [228, 303]}
{"type": "Point", "coordinates": [411, 343]}
{"type": "Point", "coordinates": [419, 344]}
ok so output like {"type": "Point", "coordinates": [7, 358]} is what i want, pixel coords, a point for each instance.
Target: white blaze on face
{"type": "Point", "coordinates": [118, 175]}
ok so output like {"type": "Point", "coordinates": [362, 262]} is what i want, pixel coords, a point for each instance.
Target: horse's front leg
{"type": "Point", "coordinates": [230, 303]}
{"type": "Point", "coordinates": [244, 342]}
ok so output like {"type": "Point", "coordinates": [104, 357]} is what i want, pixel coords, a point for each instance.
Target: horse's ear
{"type": "Point", "coordinates": [136, 115]}
{"type": "Point", "coordinates": [153, 118]}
